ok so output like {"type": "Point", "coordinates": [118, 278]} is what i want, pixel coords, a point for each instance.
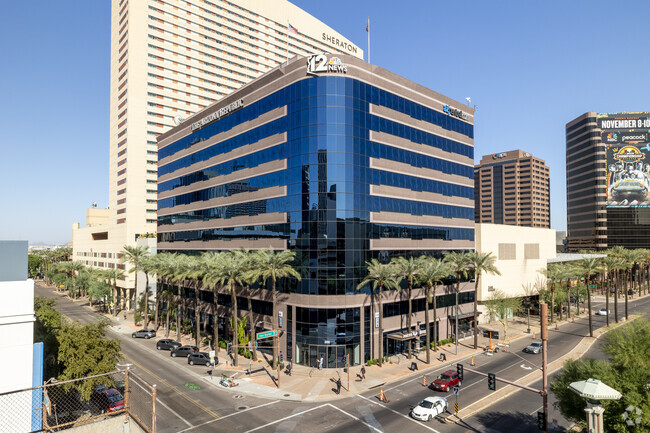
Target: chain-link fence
{"type": "Point", "coordinates": [62, 405]}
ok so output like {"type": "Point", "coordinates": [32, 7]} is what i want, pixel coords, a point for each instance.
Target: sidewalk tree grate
{"type": "Point", "coordinates": [237, 396]}
{"type": "Point", "coordinates": [242, 407]}
{"type": "Point", "coordinates": [192, 385]}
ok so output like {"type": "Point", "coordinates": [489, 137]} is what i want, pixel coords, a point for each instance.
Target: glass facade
{"type": "Point", "coordinates": [328, 203]}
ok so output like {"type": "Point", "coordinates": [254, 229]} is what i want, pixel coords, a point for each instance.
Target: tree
{"type": "Point", "coordinates": [502, 308]}
{"type": "Point", "coordinates": [46, 329]}
{"type": "Point", "coordinates": [134, 256]}
{"type": "Point", "coordinates": [34, 265]}
{"type": "Point", "coordinates": [433, 271]}
{"type": "Point", "coordinates": [590, 266]}
{"type": "Point", "coordinates": [460, 262]}
{"type": "Point", "coordinates": [211, 262]}
{"type": "Point", "coordinates": [611, 264]}
{"type": "Point", "coordinates": [627, 370]}
{"type": "Point", "coordinates": [274, 265]}
{"type": "Point", "coordinates": [85, 351]}
{"type": "Point", "coordinates": [380, 276]}
{"type": "Point", "coordinates": [230, 269]}
{"type": "Point", "coordinates": [480, 263]}
{"type": "Point", "coordinates": [553, 275]}
{"type": "Point", "coordinates": [112, 275]}
{"type": "Point", "coordinates": [99, 289]}
{"type": "Point", "coordinates": [408, 269]}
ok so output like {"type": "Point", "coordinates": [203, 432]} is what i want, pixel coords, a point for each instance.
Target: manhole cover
{"type": "Point", "coordinates": [242, 407]}
{"type": "Point", "coordinates": [287, 395]}
{"type": "Point", "coordinates": [192, 385]}
{"type": "Point", "coordinates": [237, 396]}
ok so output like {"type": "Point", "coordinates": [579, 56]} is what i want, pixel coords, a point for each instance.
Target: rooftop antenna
{"type": "Point", "coordinates": [469, 100]}
{"type": "Point", "coordinates": [94, 204]}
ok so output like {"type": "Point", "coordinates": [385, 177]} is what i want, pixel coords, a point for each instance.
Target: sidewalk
{"type": "Point", "coordinates": [308, 384]}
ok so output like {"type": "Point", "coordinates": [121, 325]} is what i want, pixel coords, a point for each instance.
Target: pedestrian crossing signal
{"type": "Point", "coordinates": [455, 407]}
{"type": "Point", "coordinates": [541, 421]}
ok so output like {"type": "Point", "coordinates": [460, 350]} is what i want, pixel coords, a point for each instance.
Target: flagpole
{"type": "Point", "coordinates": [368, 39]}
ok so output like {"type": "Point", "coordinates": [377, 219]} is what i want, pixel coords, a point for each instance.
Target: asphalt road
{"type": "Point", "coordinates": [210, 409]}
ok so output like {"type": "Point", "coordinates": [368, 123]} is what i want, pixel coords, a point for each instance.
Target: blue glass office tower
{"type": "Point", "coordinates": [341, 165]}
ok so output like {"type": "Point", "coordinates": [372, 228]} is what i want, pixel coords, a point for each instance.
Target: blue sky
{"type": "Point", "coordinates": [530, 67]}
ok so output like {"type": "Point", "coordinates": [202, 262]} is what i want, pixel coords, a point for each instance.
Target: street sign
{"type": "Point", "coordinates": [456, 390]}
{"type": "Point", "coordinates": [212, 353]}
{"type": "Point", "coordinates": [266, 334]}
{"type": "Point", "coordinates": [376, 320]}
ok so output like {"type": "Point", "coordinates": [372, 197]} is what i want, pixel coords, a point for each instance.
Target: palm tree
{"type": "Point", "coordinates": [250, 260]}
{"type": "Point", "coordinates": [195, 270]}
{"type": "Point", "coordinates": [211, 262]}
{"type": "Point", "coordinates": [590, 266]}
{"type": "Point", "coordinates": [379, 277]}
{"type": "Point", "coordinates": [178, 275]}
{"type": "Point", "coordinates": [480, 262]}
{"type": "Point", "coordinates": [274, 265]}
{"type": "Point", "coordinates": [611, 264]}
{"type": "Point", "coordinates": [552, 274]}
{"type": "Point", "coordinates": [460, 262]}
{"type": "Point", "coordinates": [134, 256]}
{"type": "Point", "coordinates": [408, 269]}
{"type": "Point", "coordinates": [113, 275]}
{"type": "Point", "coordinates": [432, 272]}
{"type": "Point", "coordinates": [230, 269]}
{"type": "Point", "coordinates": [162, 265]}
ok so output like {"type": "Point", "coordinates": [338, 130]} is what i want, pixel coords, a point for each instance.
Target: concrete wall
{"type": "Point", "coordinates": [114, 424]}
{"type": "Point", "coordinates": [518, 267]}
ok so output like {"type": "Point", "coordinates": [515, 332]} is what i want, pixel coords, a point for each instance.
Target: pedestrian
{"type": "Point", "coordinates": [320, 363]}
{"type": "Point", "coordinates": [338, 386]}
{"type": "Point", "coordinates": [363, 372]}
{"type": "Point", "coordinates": [125, 315]}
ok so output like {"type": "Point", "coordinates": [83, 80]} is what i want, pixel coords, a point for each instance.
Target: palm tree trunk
{"type": "Point", "coordinates": [435, 321]}
{"type": "Point", "coordinates": [167, 314]}
{"type": "Point", "coordinates": [607, 296]}
{"type": "Point", "coordinates": [215, 317]}
{"type": "Point", "coordinates": [408, 322]}
{"type": "Point", "coordinates": [478, 276]}
{"type": "Point", "coordinates": [178, 314]}
{"type": "Point", "coordinates": [591, 329]}
{"type": "Point", "coordinates": [146, 300]}
{"type": "Point", "coordinates": [629, 274]}
{"type": "Point", "coordinates": [276, 339]}
{"type": "Point", "coordinates": [568, 298]}
{"type": "Point", "coordinates": [553, 302]}
{"type": "Point", "coordinates": [156, 309]}
{"type": "Point", "coordinates": [235, 331]}
{"type": "Point", "coordinates": [381, 329]}
{"type": "Point", "coordinates": [197, 312]}
{"type": "Point", "coordinates": [426, 321]}
{"type": "Point", "coordinates": [252, 327]}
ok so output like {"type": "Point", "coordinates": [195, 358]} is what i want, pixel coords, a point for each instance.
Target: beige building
{"type": "Point", "coordinates": [169, 60]}
{"type": "Point", "coordinates": [512, 188]}
{"type": "Point", "coordinates": [520, 251]}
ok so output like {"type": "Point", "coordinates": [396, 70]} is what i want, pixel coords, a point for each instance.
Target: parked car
{"type": "Point", "coordinates": [107, 400]}
{"type": "Point", "coordinates": [167, 344]}
{"type": "Point", "coordinates": [198, 358]}
{"type": "Point", "coordinates": [183, 351]}
{"type": "Point", "coordinates": [534, 347]}
{"type": "Point", "coordinates": [429, 408]}
{"type": "Point", "coordinates": [446, 381]}
{"type": "Point", "coordinates": [603, 312]}
{"type": "Point", "coordinates": [144, 333]}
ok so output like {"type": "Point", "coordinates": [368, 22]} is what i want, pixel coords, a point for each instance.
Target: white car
{"type": "Point", "coordinates": [602, 312]}
{"type": "Point", "coordinates": [429, 408]}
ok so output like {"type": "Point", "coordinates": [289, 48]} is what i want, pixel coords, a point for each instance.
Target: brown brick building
{"type": "Point", "coordinates": [512, 188]}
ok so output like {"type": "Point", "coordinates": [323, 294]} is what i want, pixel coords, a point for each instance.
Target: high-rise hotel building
{"type": "Point", "coordinates": [170, 59]}
{"type": "Point", "coordinates": [512, 188]}
{"type": "Point", "coordinates": [341, 162]}
{"type": "Point", "coordinates": [607, 170]}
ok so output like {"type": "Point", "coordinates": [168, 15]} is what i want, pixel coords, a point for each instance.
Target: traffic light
{"type": "Point", "coordinates": [459, 370]}
{"type": "Point", "coordinates": [541, 421]}
{"type": "Point", "coordinates": [229, 348]}
{"type": "Point", "coordinates": [492, 381]}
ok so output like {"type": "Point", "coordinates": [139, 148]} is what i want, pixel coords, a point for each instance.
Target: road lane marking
{"type": "Point", "coordinates": [182, 394]}
{"type": "Point", "coordinates": [288, 417]}
{"type": "Point", "coordinates": [229, 415]}
{"type": "Point", "coordinates": [354, 417]}
{"type": "Point", "coordinates": [536, 410]}
{"type": "Point", "coordinates": [400, 414]}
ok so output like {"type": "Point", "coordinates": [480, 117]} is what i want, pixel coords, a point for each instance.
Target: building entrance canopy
{"type": "Point", "coordinates": [464, 316]}
{"type": "Point", "coordinates": [405, 336]}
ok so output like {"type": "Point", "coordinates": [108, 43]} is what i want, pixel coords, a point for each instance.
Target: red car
{"type": "Point", "coordinates": [445, 381]}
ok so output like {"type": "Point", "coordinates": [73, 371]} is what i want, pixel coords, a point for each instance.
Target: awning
{"type": "Point", "coordinates": [464, 316]}
{"type": "Point", "coordinates": [405, 336]}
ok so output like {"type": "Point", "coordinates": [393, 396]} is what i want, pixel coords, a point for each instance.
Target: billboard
{"type": "Point", "coordinates": [627, 141]}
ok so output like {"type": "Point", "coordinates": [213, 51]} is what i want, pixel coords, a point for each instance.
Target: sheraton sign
{"type": "Point", "coordinates": [223, 111]}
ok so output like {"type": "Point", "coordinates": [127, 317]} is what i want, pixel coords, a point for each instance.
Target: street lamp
{"type": "Point", "coordinates": [594, 391]}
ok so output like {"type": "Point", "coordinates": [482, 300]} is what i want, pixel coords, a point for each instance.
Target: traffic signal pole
{"type": "Point", "coordinates": [544, 334]}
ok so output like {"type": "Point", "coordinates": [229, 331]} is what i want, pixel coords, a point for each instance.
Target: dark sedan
{"type": "Point", "coordinates": [167, 344]}
{"type": "Point", "coordinates": [198, 358]}
{"type": "Point", "coordinates": [144, 333]}
{"type": "Point", "coordinates": [184, 351]}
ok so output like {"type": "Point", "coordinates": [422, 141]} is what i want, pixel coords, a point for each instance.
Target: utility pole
{"type": "Point", "coordinates": [544, 333]}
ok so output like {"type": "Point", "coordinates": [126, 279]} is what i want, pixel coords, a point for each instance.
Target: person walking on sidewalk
{"type": "Point", "coordinates": [363, 372]}
{"type": "Point", "coordinates": [338, 386]}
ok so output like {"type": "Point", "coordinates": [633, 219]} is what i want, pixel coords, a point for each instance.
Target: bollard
{"type": "Point", "coordinates": [424, 381]}
{"type": "Point", "coordinates": [556, 326]}
{"type": "Point", "coordinates": [573, 319]}
{"type": "Point", "coordinates": [473, 361]}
